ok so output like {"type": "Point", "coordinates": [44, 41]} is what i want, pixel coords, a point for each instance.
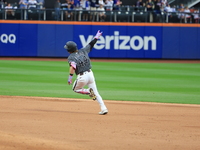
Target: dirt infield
{"type": "Point", "coordinates": [37, 123]}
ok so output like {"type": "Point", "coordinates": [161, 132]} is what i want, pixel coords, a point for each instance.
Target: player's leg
{"type": "Point", "coordinates": [78, 85]}
{"type": "Point", "coordinates": [92, 84]}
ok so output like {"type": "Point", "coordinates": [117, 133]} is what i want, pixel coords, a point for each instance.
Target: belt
{"type": "Point", "coordinates": [81, 73]}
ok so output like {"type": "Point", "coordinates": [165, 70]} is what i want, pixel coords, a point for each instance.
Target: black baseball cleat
{"type": "Point", "coordinates": [92, 95]}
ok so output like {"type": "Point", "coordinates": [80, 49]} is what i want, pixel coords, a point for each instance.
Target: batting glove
{"type": "Point", "coordinates": [98, 34]}
{"type": "Point", "coordinates": [70, 79]}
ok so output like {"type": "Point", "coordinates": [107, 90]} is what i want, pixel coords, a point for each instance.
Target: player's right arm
{"type": "Point", "coordinates": [89, 47]}
{"type": "Point", "coordinates": [97, 36]}
{"type": "Point", "coordinates": [93, 42]}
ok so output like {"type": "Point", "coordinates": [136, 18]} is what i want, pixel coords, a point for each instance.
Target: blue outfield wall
{"type": "Point", "coordinates": [157, 41]}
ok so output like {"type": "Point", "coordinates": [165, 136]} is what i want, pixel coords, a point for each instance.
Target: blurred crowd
{"type": "Point", "coordinates": [155, 6]}
{"type": "Point", "coordinates": [95, 7]}
{"type": "Point", "coordinates": [23, 4]}
{"type": "Point", "coordinates": [98, 8]}
{"type": "Point", "coordinates": [184, 13]}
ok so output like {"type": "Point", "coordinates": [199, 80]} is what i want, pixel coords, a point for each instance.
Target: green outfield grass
{"type": "Point", "coordinates": [149, 82]}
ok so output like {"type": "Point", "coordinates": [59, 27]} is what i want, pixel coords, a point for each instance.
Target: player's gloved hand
{"type": "Point", "coordinates": [98, 34]}
{"type": "Point", "coordinates": [70, 79]}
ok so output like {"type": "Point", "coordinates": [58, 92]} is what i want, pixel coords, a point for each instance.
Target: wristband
{"type": "Point", "coordinates": [71, 74]}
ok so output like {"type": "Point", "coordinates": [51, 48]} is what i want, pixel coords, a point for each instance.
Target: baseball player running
{"type": "Point", "coordinates": [80, 64]}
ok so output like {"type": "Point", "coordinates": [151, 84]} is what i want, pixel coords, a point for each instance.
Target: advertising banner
{"type": "Point", "coordinates": [171, 43]}
{"type": "Point", "coordinates": [188, 43]}
{"type": "Point", "coordinates": [122, 42]}
{"type": "Point", "coordinates": [52, 38]}
{"type": "Point", "coordinates": [9, 40]}
{"type": "Point", "coordinates": [18, 40]}
{"type": "Point", "coordinates": [47, 39]}
{"type": "Point", "coordinates": [181, 43]}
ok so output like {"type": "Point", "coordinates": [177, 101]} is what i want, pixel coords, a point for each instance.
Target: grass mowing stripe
{"type": "Point", "coordinates": [156, 82]}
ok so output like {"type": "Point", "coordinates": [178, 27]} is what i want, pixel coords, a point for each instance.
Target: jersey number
{"type": "Point", "coordinates": [83, 62]}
